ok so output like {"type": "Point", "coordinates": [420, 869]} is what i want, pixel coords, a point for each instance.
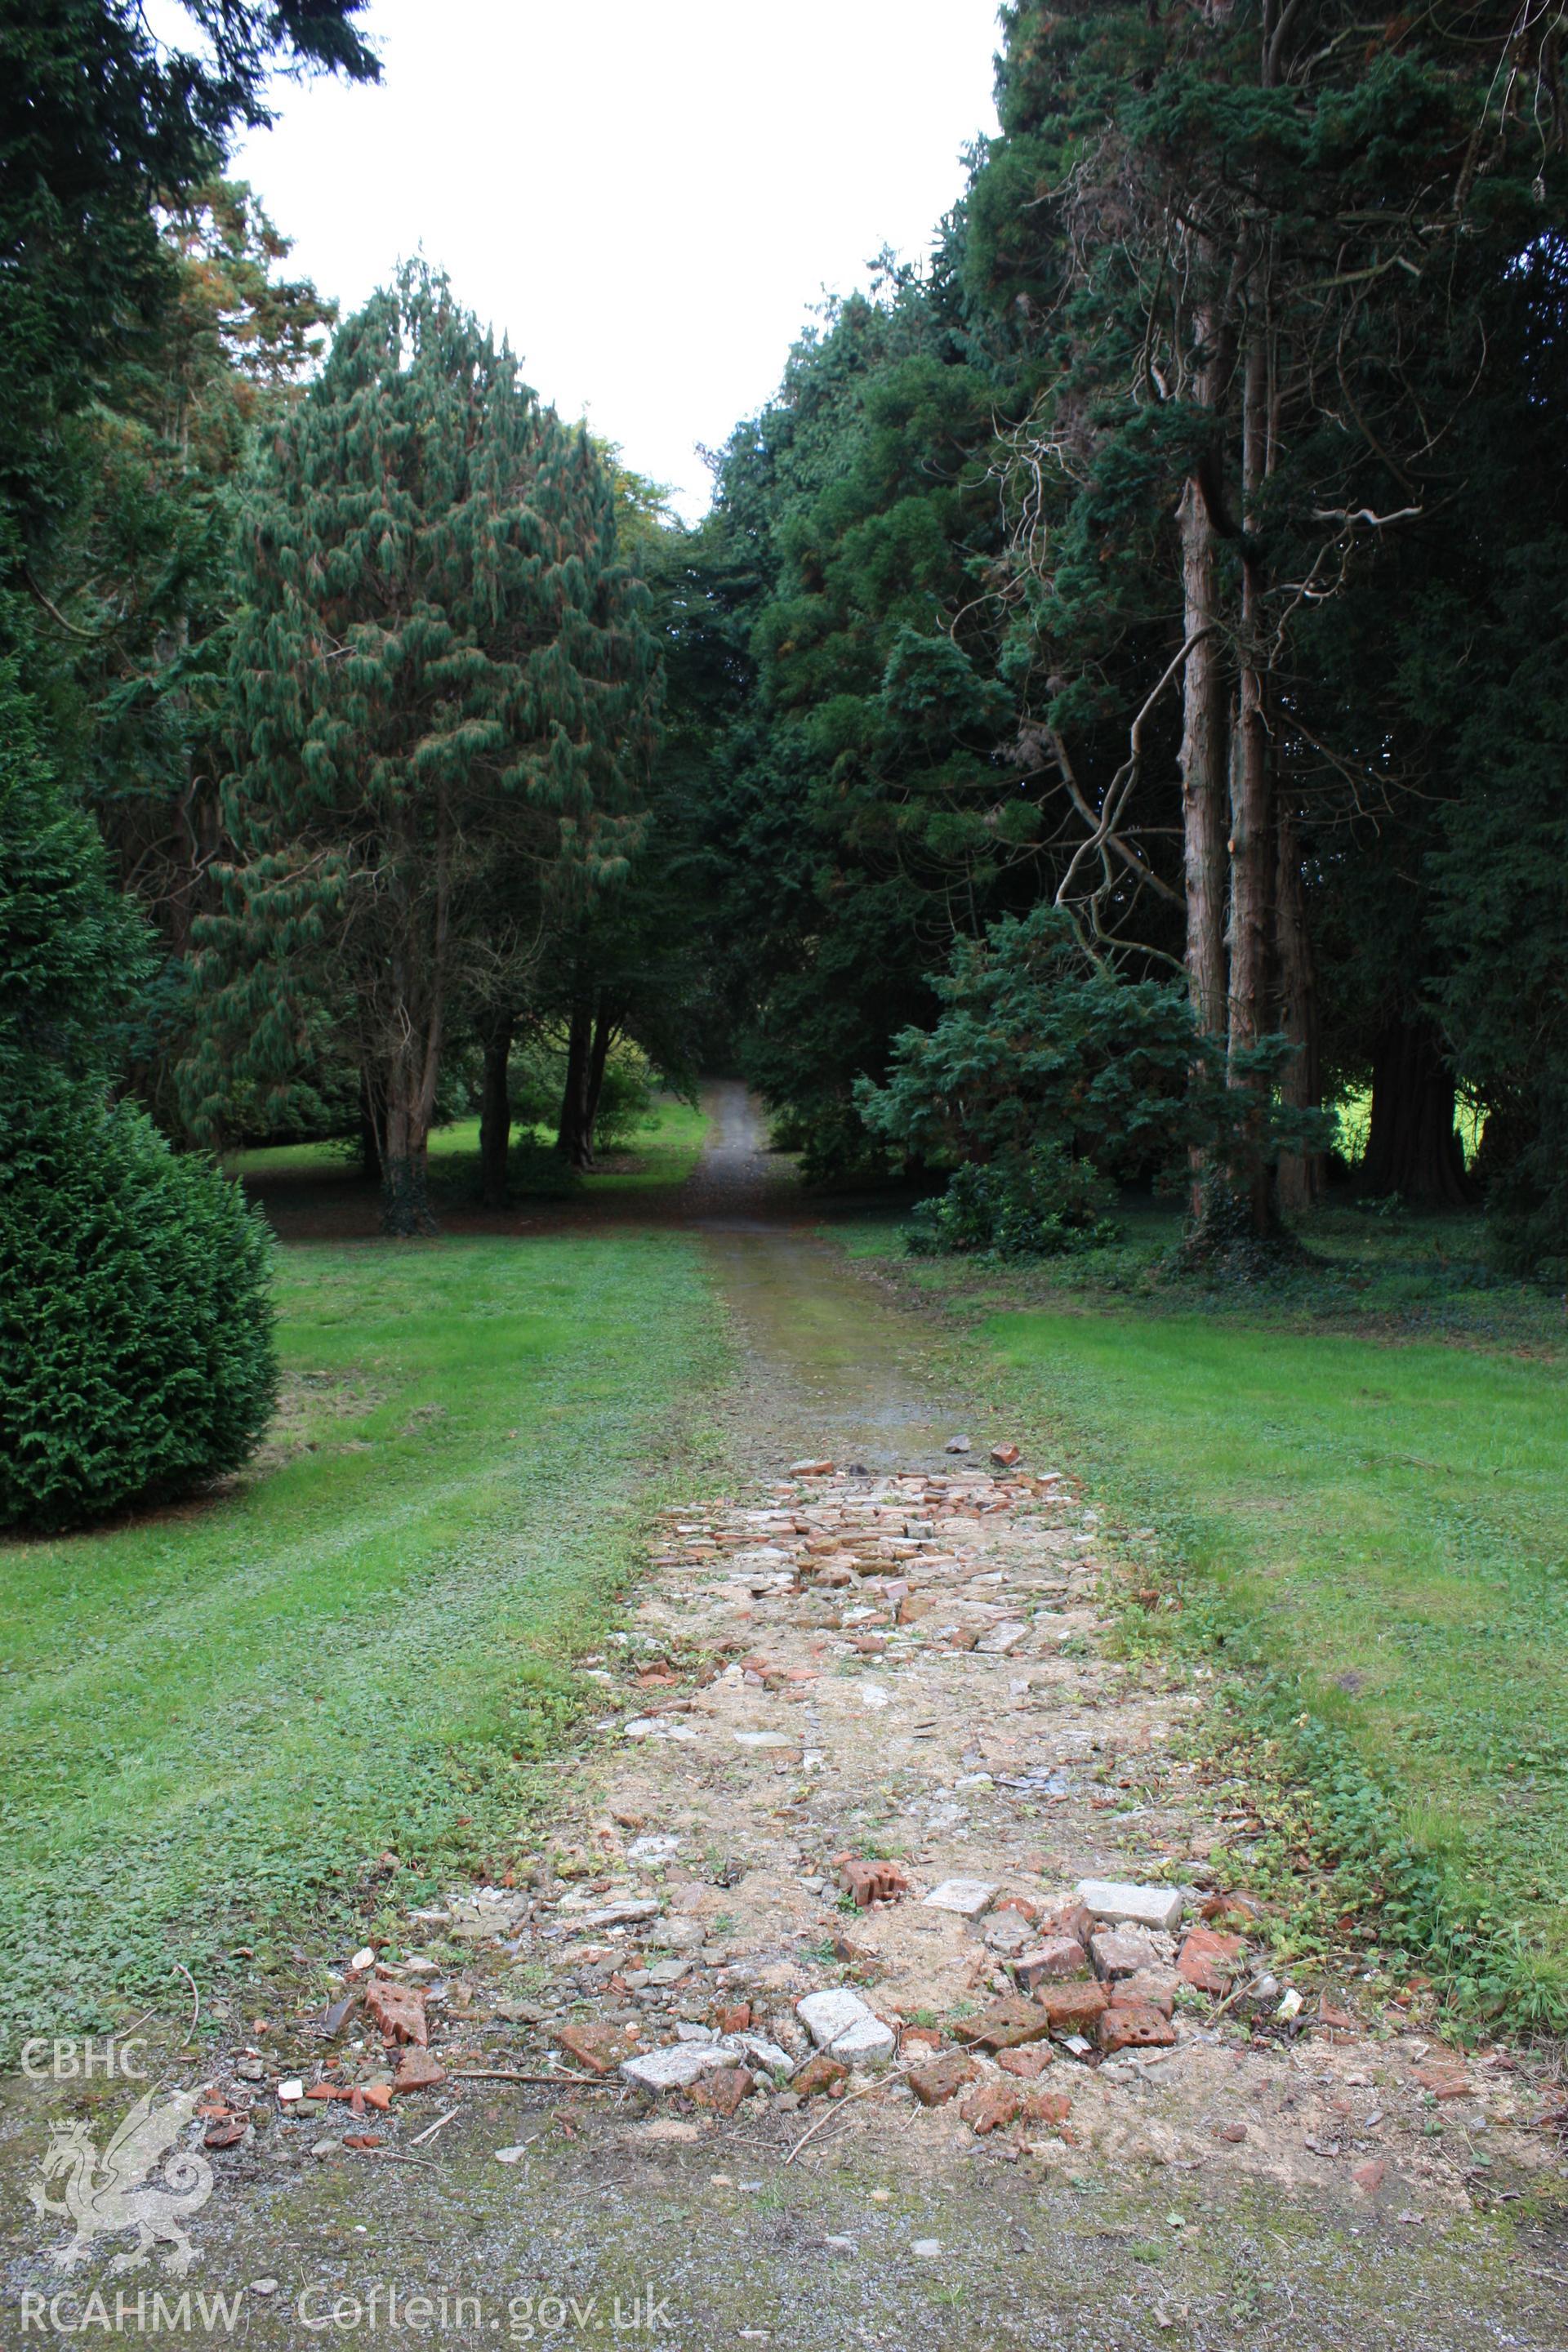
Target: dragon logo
{"type": "Point", "coordinates": [104, 2195]}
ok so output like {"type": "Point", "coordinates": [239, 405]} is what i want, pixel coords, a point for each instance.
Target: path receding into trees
{"type": "Point", "coordinates": [902, 1658]}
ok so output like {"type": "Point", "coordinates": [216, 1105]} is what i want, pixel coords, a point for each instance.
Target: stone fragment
{"type": "Point", "coordinates": [1006, 2024]}
{"type": "Point", "coordinates": [869, 2043]}
{"type": "Point", "coordinates": [819, 2073]}
{"type": "Point", "coordinates": [1209, 1960]}
{"type": "Point", "coordinates": [1291, 2006]}
{"type": "Point", "coordinates": [677, 2066]}
{"type": "Point", "coordinates": [826, 2015]}
{"type": "Point", "coordinates": [1134, 2025]}
{"type": "Point", "coordinates": [811, 1469]}
{"type": "Point", "coordinates": [1027, 2061]}
{"type": "Point", "coordinates": [599, 2047]}
{"type": "Point", "coordinates": [991, 2107]}
{"type": "Point", "coordinates": [1001, 1639]}
{"type": "Point", "coordinates": [1123, 1905]}
{"type": "Point", "coordinates": [419, 2071]}
{"type": "Point", "coordinates": [957, 1446]}
{"type": "Point", "coordinates": [942, 2079]}
{"type": "Point", "coordinates": [966, 1896]}
{"type": "Point", "coordinates": [1117, 1954]}
{"type": "Point", "coordinates": [1071, 2007]}
{"type": "Point", "coordinates": [290, 2089]}
{"type": "Point", "coordinates": [671, 1971]}
{"type": "Point", "coordinates": [398, 2010]}
{"type": "Point", "coordinates": [620, 1914]}
{"type": "Point", "coordinates": [1007, 1932]}
{"type": "Point", "coordinates": [764, 2053]}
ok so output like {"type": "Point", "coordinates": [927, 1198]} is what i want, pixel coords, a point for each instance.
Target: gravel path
{"type": "Point", "coordinates": [887, 1669]}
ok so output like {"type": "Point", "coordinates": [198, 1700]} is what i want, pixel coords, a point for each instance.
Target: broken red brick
{"type": "Point", "coordinates": [600, 2048]}
{"type": "Point", "coordinates": [723, 2092]}
{"type": "Point", "coordinates": [819, 2073]}
{"type": "Point", "coordinates": [991, 2107]}
{"type": "Point", "coordinates": [1006, 1454]}
{"type": "Point", "coordinates": [942, 2079]}
{"type": "Point", "coordinates": [224, 2135]}
{"type": "Point", "coordinates": [419, 2071]}
{"type": "Point", "coordinates": [1024, 1906]}
{"type": "Point", "coordinates": [870, 1882]}
{"type": "Point", "coordinates": [1235, 2133]}
{"type": "Point", "coordinates": [1244, 1907]}
{"type": "Point", "coordinates": [1445, 2081]}
{"type": "Point", "coordinates": [373, 2095]}
{"type": "Point", "coordinates": [1062, 1957]}
{"type": "Point", "coordinates": [1072, 1921]}
{"type": "Point", "coordinates": [1028, 2061]}
{"type": "Point", "coordinates": [731, 2017]}
{"type": "Point", "coordinates": [1047, 2106]}
{"type": "Point", "coordinates": [1209, 1960]}
{"type": "Point", "coordinates": [398, 2009]}
{"type": "Point", "coordinates": [1134, 2025]}
{"type": "Point", "coordinates": [1006, 2025]}
{"type": "Point", "coordinates": [913, 2039]}
{"type": "Point", "coordinates": [361, 2139]}
{"type": "Point", "coordinates": [1369, 2176]}
{"type": "Point", "coordinates": [1072, 2007]}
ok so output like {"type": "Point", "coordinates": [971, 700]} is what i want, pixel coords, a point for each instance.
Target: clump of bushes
{"type": "Point", "coordinates": [1036, 1204]}
{"type": "Point", "coordinates": [137, 1361]}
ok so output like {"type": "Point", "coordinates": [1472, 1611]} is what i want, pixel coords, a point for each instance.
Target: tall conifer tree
{"type": "Point", "coordinates": [441, 682]}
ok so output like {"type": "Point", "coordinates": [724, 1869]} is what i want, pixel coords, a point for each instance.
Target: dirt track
{"type": "Point", "coordinates": [903, 1659]}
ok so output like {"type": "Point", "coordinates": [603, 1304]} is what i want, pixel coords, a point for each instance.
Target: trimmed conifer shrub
{"type": "Point", "coordinates": [137, 1361]}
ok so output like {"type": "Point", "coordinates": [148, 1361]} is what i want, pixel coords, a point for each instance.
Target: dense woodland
{"type": "Point", "coordinates": [1113, 714]}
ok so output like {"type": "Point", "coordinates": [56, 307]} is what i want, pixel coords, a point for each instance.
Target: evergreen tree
{"type": "Point", "coordinates": [442, 679]}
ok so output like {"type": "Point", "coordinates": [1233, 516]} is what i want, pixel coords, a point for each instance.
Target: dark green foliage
{"type": "Point", "coordinates": [1036, 1044]}
{"type": "Point", "coordinates": [443, 702]}
{"type": "Point", "coordinates": [73, 953]}
{"type": "Point", "coordinates": [136, 1354]}
{"type": "Point", "coordinates": [1026, 1203]}
{"type": "Point", "coordinates": [98, 121]}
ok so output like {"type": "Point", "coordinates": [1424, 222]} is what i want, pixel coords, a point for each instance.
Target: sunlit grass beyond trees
{"type": "Point", "coordinates": [1379, 1511]}
{"type": "Point", "coordinates": [211, 1720]}
{"type": "Point", "coordinates": [663, 1149]}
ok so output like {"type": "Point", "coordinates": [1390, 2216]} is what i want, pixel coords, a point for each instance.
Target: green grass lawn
{"type": "Point", "coordinates": [1381, 1512]}
{"type": "Point", "coordinates": [664, 1150]}
{"type": "Point", "coordinates": [213, 1719]}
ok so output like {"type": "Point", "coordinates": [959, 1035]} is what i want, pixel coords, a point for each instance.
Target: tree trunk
{"type": "Point", "coordinates": [405, 1161]}
{"type": "Point", "coordinates": [369, 1138]}
{"type": "Point", "coordinates": [1252, 854]}
{"type": "Point", "coordinates": [495, 1114]}
{"type": "Point", "coordinates": [574, 1140]}
{"type": "Point", "coordinates": [1412, 1149]}
{"type": "Point", "coordinates": [1202, 764]}
{"type": "Point", "coordinates": [414, 1066]}
{"type": "Point", "coordinates": [1301, 1173]}
{"type": "Point", "coordinates": [598, 1055]}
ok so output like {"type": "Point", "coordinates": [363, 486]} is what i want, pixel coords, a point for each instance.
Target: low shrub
{"type": "Point", "coordinates": [1036, 1204]}
{"type": "Point", "coordinates": [136, 1349]}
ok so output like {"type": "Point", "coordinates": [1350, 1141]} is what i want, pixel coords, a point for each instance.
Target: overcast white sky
{"type": "Point", "coordinates": [647, 195]}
